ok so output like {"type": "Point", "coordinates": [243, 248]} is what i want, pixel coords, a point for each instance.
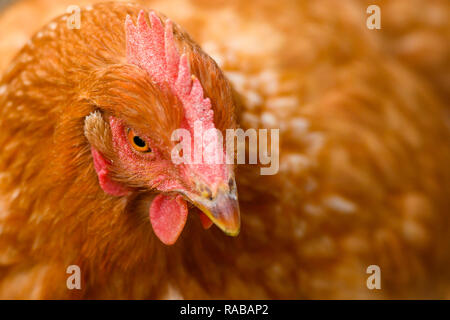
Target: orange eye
{"type": "Point", "coordinates": [137, 143]}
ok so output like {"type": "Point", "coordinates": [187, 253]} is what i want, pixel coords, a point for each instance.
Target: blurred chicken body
{"type": "Point", "coordinates": [364, 152]}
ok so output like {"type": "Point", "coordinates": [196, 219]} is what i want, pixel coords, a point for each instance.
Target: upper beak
{"type": "Point", "coordinates": [222, 208]}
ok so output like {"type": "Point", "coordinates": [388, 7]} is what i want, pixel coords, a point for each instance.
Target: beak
{"type": "Point", "coordinates": [222, 208]}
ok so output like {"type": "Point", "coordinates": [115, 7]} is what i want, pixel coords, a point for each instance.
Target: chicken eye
{"type": "Point", "coordinates": [137, 142]}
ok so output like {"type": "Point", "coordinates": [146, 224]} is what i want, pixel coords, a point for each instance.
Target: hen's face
{"type": "Point", "coordinates": [146, 163]}
{"type": "Point", "coordinates": [133, 141]}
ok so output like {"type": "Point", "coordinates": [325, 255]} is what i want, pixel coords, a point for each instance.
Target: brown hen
{"type": "Point", "coordinates": [364, 152]}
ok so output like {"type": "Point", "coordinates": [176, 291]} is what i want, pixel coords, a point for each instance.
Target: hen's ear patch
{"type": "Point", "coordinates": [108, 185]}
{"type": "Point", "coordinates": [98, 134]}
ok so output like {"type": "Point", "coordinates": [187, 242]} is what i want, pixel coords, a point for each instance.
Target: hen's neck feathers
{"type": "Point", "coordinates": [52, 86]}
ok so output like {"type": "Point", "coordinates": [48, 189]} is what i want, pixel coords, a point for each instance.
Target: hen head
{"type": "Point", "coordinates": [140, 104]}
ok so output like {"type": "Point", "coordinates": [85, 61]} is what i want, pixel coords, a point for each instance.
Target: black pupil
{"type": "Point", "coordinates": [139, 142]}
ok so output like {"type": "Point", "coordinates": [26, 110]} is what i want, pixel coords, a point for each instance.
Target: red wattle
{"type": "Point", "coordinates": [206, 222]}
{"type": "Point", "coordinates": [168, 215]}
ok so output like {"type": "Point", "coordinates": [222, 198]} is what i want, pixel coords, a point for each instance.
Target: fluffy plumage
{"type": "Point", "coordinates": [364, 143]}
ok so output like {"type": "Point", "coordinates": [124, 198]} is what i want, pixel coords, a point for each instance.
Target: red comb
{"type": "Point", "coordinates": [154, 50]}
